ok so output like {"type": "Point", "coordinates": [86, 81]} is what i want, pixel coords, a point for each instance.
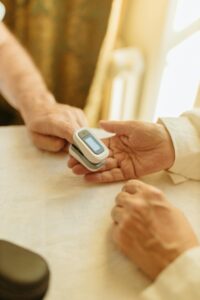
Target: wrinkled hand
{"type": "Point", "coordinates": [137, 149]}
{"type": "Point", "coordinates": [148, 229]}
{"type": "Point", "coordinates": [52, 125]}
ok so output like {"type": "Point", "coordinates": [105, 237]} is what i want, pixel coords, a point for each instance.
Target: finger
{"type": "Point", "coordinates": [146, 192]}
{"type": "Point", "coordinates": [135, 205]}
{"type": "Point", "coordinates": [81, 118]}
{"type": "Point", "coordinates": [117, 214]}
{"type": "Point", "coordinates": [111, 163]}
{"type": "Point", "coordinates": [118, 127]}
{"type": "Point", "coordinates": [78, 169]}
{"type": "Point", "coordinates": [140, 209]}
{"type": "Point", "coordinates": [66, 147]}
{"type": "Point", "coordinates": [113, 175]}
{"type": "Point", "coordinates": [71, 162]}
{"type": "Point", "coordinates": [133, 186]}
{"type": "Point", "coordinates": [65, 129]}
{"type": "Point", "coordinates": [122, 198]}
{"type": "Point", "coordinates": [48, 143]}
{"type": "Point", "coordinates": [55, 127]}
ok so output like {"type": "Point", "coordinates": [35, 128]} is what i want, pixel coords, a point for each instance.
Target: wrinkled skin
{"type": "Point", "coordinates": [137, 149]}
{"type": "Point", "coordinates": [52, 125]}
{"type": "Point", "coordinates": [148, 229]}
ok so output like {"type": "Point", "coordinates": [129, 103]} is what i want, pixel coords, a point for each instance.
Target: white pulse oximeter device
{"type": "Point", "coordinates": [88, 149]}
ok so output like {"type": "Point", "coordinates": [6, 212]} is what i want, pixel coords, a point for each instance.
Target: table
{"type": "Point", "coordinates": [43, 206]}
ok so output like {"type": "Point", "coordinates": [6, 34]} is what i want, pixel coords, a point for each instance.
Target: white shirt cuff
{"type": "Point", "coordinates": [179, 281]}
{"type": "Point", "coordinates": [186, 141]}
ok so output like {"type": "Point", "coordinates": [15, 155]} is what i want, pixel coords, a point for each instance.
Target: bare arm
{"type": "Point", "coordinates": [50, 124]}
{"type": "Point", "coordinates": [20, 81]}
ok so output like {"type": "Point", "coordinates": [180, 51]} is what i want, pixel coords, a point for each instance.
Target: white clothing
{"type": "Point", "coordinates": [181, 279]}
{"type": "Point", "coordinates": [185, 133]}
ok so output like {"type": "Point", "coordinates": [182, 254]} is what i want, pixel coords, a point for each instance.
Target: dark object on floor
{"type": "Point", "coordinates": [24, 275]}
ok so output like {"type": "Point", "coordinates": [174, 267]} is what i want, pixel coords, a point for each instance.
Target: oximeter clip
{"type": "Point", "coordinates": [88, 149]}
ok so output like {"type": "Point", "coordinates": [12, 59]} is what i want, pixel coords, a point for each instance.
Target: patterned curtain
{"type": "Point", "coordinates": [64, 38]}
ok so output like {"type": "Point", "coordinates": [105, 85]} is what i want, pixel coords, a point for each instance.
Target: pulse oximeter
{"type": "Point", "coordinates": [88, 149]}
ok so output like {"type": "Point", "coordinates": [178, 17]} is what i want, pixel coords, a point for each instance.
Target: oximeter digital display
{"type": "Point", "coordinates": [88, 149]}
{"type": "Point", "coordinates": [91, 141]}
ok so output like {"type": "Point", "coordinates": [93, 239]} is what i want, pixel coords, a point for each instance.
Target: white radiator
{"type": "Point", "coordinates": [125, 75]}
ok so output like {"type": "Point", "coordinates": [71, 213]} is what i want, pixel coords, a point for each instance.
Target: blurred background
{"type": "Point", "coordinates": [116, 59]}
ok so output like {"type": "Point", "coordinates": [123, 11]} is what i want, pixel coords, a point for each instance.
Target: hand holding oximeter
{"type": "Point", "coordinates": [88, 149]}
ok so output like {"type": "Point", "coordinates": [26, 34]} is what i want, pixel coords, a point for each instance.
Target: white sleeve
{"type": "Point", "coordinates": [185, 134]}
{"type": "Point", "coordinates": [180, 281]}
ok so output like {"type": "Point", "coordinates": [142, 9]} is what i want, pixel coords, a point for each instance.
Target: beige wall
{"type": "Point", "coordinates": [143, 24]}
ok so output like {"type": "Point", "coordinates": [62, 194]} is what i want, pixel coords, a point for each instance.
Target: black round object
{"type": "Point", "coordinates": [24, 275]}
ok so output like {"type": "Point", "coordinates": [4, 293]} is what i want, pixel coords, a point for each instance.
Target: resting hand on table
{"type": "Point", "coordinates": [51, 125]}
{"type": "Point", "coordinates": [137, 149]}
{"type": "Point", "coordinates": [148, 229]}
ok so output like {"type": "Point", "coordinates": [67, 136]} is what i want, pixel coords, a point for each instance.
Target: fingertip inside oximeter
{"type": "Point", "coordinates": [78, 155]}
{"type": "Point", "coordinates": [88, 149]}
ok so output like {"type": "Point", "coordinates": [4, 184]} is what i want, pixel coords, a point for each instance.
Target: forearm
{"type": "Point", "coordinates": [20, 82]}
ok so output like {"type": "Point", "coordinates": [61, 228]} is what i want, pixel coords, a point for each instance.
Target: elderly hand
{"type": "Point", "coordinates": [51, 124]}
{"type": "Point", "coordinates": [148, 229]}
{"type": "Point", "coordinates": [137, 149]}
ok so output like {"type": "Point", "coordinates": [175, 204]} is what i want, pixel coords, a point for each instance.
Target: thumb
{"type": "Point", "coordinates": [55, 127]}
{"type": "Point", "coordinates": [118, 127]}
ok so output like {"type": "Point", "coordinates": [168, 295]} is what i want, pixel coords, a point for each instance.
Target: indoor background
{"type": "Point", "coordinates": [116, 59]}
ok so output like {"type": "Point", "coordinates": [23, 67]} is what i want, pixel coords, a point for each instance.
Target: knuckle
{"type": "Point", "coordinates": [155, 193]}
{"type": "Point", "coordinates": [158, 193]}
{"type": "Point", "coordinates": [128, 183]}
{"type": "Point", "coordinates": [133, 184]}
{"type": "Point", "coordinates": [140, 206]}
{"type": "Point", "coordinates": [121, 197]}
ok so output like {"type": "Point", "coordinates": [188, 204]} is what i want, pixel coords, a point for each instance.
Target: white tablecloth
{"type": "Point", "coordinates": [43, 206]}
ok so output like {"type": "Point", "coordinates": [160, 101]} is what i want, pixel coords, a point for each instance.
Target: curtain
{"type": "Point", "coordinates": [96, 107]}
{"type": "Point", "coordinates": [64, 38]}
